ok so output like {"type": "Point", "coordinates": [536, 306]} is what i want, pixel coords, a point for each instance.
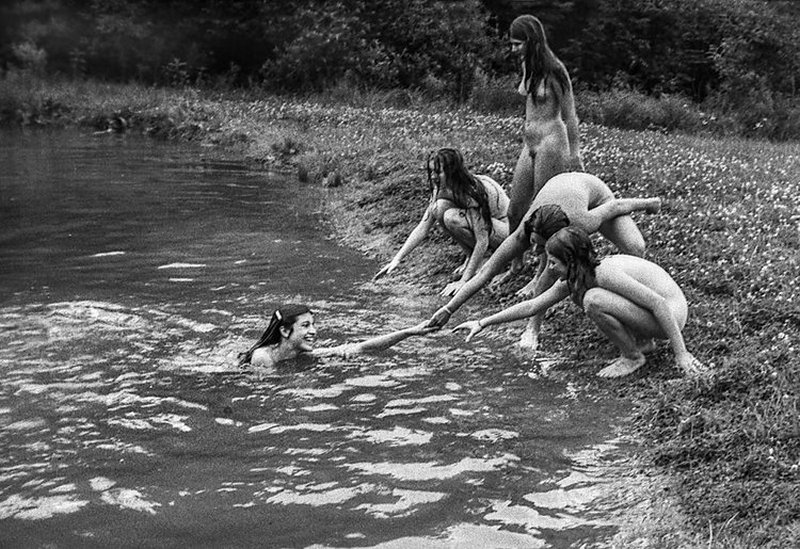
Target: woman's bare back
{"type": "Point", "coordinates": [643, 271]}
{"type": "Point", "coordinates": [575, 192]}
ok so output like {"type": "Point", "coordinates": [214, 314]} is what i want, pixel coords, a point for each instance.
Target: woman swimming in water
{"type": "Point", "coordinates": [631, 300]}
{"type": "Point", "coordinates": [291, 333]}
{"type": "Point", "coordinates": [470, 208]}
{"type": "Point", "coordinates": [551, 142]}
{"type": "Point", "coordinates": [577, 199]}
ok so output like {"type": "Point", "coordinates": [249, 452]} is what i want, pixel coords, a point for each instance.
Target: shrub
{"type": "Point", "coordinates": [499, 96]}
{"type": "Point", "coordinates": [630, 109]}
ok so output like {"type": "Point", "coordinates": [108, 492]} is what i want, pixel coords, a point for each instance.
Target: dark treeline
{"type": "Point", "coordinates": [732, 53]}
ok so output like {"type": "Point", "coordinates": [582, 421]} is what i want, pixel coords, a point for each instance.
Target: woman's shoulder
{"type": "Point", "coordinates": [262, 357]}
{"type": "Point", "coordinates": [486, 179]}
{"type": "Point", "coordinates": [637, 267]}
{"type": "Point", "coordinates": [492, 187]}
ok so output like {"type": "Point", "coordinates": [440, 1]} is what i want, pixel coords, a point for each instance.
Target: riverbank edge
{"type": "Point", "coordinates": [371, 196]}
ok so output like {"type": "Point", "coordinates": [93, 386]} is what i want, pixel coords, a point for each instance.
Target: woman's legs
{"type": "Point", "coordinates": [612, 219]}
{"type": "Point", "coordinates": [624, 233]}
{"type": "Point", "coordinates": [533, 170]}
{"type": "Point", "coordinates": [499, 232]}
{"type": "Point", "coordinates": [544, 280]}
{"type": "Point", "coordinates": [617, 207]}
{"type": "Point", "coordinates": [616, 316]}
{"type": "Point", "coordinates": [522, 189]}
{"type": "Point", "coordinates": [551, 159]}
{"type": "Point", "coordinates": [455, 223]}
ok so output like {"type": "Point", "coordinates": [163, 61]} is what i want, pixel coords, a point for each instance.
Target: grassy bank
{"type": "Point", "coordinates": [726, 451]}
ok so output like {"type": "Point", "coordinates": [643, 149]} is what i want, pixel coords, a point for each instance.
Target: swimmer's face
{"type": "Point", "coordinates": [517, 47]}
{"type": "Point", "coordinates": [556, 266]}
{"type": "Point", "coordinates": [303, 334]}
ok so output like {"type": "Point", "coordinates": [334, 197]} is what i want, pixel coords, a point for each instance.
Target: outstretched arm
{"type": "Point", "coordinates": [414, 239]}
{"type": "Point", "coordinates": [511, 247]}
{"type": "Point", "coordinates": [519, 311]}
{"type": "Point", "coordinates": [378, 343]}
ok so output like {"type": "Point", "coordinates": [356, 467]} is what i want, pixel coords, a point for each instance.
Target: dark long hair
{"type": "Point", "coordinates": [545, 221]}
{"type": "Point", "coordinates": [540, 61]}
{"type": "Point", "coordinates": [284, 316]}
{"type": "Point", "coordinates": [460, 180]}
{"type": "Point", "coordinates": [573, 247]}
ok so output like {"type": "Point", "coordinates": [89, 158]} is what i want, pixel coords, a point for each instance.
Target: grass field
{"type": "Point", "coordinates": [727, 449]}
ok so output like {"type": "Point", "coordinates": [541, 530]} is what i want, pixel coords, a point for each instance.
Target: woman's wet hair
{"type": "Point", "coordinates": [545, 221]}
{"type": "Point", "coordinates": [573, 247]}
{"type": "Point", "coordinates": [286, 315]}
{"type": "Point", "coordinates": [461, 181]}
{"type": "Point", "coordinates": [540, 62]}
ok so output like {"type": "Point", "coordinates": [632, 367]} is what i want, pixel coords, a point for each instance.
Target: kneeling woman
{"type": "Point", "coordinates": [473, 209]}
{"type": "Point", "coordinates": [631, 300]}
{"type": "Point", "coordinates": [291, 333]}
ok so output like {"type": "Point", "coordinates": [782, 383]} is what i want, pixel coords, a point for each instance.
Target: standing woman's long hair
{"type": "Point", "coordinates": [540, 61]}
{"type": "Point", "coordinates": [463, 183]}
{"type": "Point", "coordinates": [573, 247]}
{"type": "Point", "coordinates": [284, 316]}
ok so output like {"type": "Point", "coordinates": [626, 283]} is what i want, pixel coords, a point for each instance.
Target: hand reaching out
{"type": "Point", "coordinates": [439, 318]}
{"type": "Point", "coordinates": [451, 289]}
{"type": "Point", "coordinates": [385, 270]}
{"type": "Point", "coordinates": [422, 328]}
{"type": "Point", "coordinates": [474, 327]}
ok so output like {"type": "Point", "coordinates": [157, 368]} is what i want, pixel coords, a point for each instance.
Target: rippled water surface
{"type": "Point", "coordinates": [131, 274]}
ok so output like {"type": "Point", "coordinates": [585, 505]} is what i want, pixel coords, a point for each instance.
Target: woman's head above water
{"type": "Point", "coordinates": [291, 325]}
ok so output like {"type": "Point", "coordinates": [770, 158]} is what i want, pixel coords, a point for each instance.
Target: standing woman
{"type": "Point", "coordinates": [470, 208]}
{"type": "Point", "coordinates": [551, 138]}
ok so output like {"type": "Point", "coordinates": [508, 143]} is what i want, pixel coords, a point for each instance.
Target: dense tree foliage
{"type": "Point", "coordinates": [734, 52]}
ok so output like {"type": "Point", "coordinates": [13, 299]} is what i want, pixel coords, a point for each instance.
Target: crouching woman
{"type": "Point", "coordinates": [631, 300]}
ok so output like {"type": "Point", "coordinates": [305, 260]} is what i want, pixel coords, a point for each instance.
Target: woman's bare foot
{"type": "Point", "coordinates": [653, 206]}
{"type": "Point", "coordinates": [622, 366]}
{"type": "Point", "coordinates": [529, 341]}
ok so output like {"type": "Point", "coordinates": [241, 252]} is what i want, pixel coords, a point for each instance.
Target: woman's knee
{"type": "Point", "coordinates": [635, 246]}
{"type": "Point", "coordinates": [626, 236]}
{"type": "Point", "coordinates": [455, 222]}
{"type": "Point", "coordinates": [595, 302]}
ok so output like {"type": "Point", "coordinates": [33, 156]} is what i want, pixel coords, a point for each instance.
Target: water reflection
{"type": "Point", "coordinates": [123, 420]}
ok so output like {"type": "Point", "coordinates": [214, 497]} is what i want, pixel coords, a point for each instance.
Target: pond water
{"type": "Point", "coordinates": [132, 272]}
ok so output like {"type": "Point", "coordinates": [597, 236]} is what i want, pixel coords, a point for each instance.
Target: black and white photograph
{"type": "Point", "coordinates": [400, 274]}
